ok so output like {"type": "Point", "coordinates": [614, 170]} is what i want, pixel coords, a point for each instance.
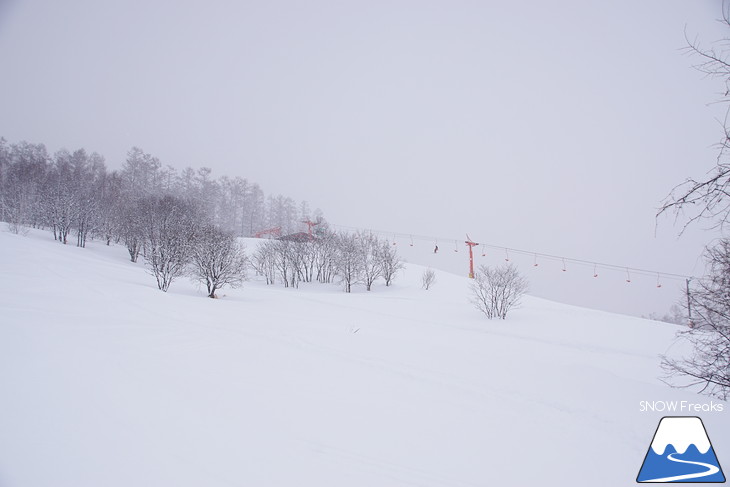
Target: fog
{"type": "Point", "coordinates": [553, 127]}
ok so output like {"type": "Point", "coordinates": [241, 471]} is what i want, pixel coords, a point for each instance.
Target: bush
{"type": "Point", "coordinates": [497, 290]}
{"type": "Point", "coordinates": [428, 279]}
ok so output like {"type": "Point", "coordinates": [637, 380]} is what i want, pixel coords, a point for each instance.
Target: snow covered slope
{"type": "Point", "coordinates": [106, 381]}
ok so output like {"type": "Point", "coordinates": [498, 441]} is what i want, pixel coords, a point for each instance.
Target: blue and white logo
{"type": "Point", "coordinates": [681, 452]}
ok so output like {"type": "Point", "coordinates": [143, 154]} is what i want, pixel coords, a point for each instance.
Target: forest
{"type": "Point", "coordinates": [76, 196]}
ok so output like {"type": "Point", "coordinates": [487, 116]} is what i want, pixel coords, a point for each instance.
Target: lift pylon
{"type": "Point", "coordinates": [310, 224]}
{"type": "Point", "coordinates": [471, 245]}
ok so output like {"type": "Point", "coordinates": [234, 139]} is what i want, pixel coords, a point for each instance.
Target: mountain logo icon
{"type": "Point", "coordinates": [681, 452]}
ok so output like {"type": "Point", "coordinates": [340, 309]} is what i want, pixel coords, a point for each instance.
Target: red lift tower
{"type": "Point", "coordinates": [310, 224]}
{"type": "Point", "coordinates": [471, 255]}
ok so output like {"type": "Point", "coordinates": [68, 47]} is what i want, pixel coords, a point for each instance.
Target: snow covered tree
{"type": "Point", "coordinates": [141, 173]}
{"type": "Point", "coordinates": [110, 210]}
{"type": "Point", "coordinates": [60, 199]}
{"type": "Point", "coordinates": [264, 261]}
{"type": "Point", "coordinates": [218, 259]}
{"type": "Point", "coordinates": [24, 169]}
{"type": "Point", "coordinates": [5, 165]}
{"type": "Point", "coordinates": [207, 191]}
{"type": "Point", "coordinates": [304, 212]}
{"type": "Point", "coordinates": [349, 260]}
{"type": "Point", "coordinates": [371, 264]}
{"type": "Point", "coordinates": [306, 259]}
{"type": "Point", "coordinates": [325, 258]}
{"type": "Point", "coordinates": [496, 290]}
{"type": "Point", "coordinates": [390, 263]}
{"type": "Point", "coordinates": [169, 227]}
{"type": "Point", "coordinates": [428, 279]}
{"type": "Point", "coordinates": [131, 225]}
{"type": "Point", "coordinates": [89, 173]}
{"type": "Point", "coordinates": [228, 202]}
{"type": "Point", "coordinates": [286, 262]}
{"type": "Point", "coordinates": [709, 198]}
{"type": "Point", "coordinates": [708, 367]}
{"type": "Point", "coordinates": [282, 212]}
{"type": "Point", "coordinates": [74, 192]}
{"type": "Point", "coordinates": [168, 180]}
{"type": "Point", "coordinates": [255, 210]}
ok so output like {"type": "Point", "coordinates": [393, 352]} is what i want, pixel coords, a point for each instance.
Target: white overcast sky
{"type": "Point", "coordinates": [555, 126]}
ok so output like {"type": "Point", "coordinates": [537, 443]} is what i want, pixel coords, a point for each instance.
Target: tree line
{"type": "Point", "coordinates": [181, 223]}
{"type": "Point", "coordinates": [74, 195]}
{"type": "Point", "coordinates": [185, 224]}
{"type": "Point", "coordinates": [349, 258]}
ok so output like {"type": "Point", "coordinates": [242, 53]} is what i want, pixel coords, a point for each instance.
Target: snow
{"type": "Point", "coordinates": [105, 380]}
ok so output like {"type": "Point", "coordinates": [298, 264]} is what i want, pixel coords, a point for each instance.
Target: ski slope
{"type": "Point", "coordinates": [106, 381]}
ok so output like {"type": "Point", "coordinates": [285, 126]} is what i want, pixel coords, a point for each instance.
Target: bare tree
{"type": "Point", "coordinates": [18, 210]}
{"type": "Point", "coordinates": [89, 173]}
{"type": "Point", "coordinates": [24, 170]}
{"type": "Point", "coordinates": [325, 248]}
{"type": "Point", "coordinates": [110, 207]}
{"type": "Point", "coordinates": [390, 262]}
{"type": "Point", "coordinates": [264, 261]}
{"type": "Point", "coordinates": [218, 260]}
{"type": "Point", "coordinates": [130, 228]}
{"type": "Point", "coordinates": [349, 261]}
{"type": "Point", "coordinates": [60, 200]}
{"type": "Point", "coordinates": [286, 262]}
{"type": "Point", "coordinates": [708, 198]}
{"type": "Point", "coordinates": [169, 226]}
{"type": "Point", "coordinates": [308, 259]}
{"type": "Point", "coordinates": [497, 290]}
{"type": "Point", "coordinates": [709, 335]}
{"type": "Point", "coordinates": [371, 265]}
{"type": "Point", "coordinates": [428, 279]}
{"type": "Point", "coordinates": [294, 252]}
{"type": "Point", "coordinates": [141, 173]}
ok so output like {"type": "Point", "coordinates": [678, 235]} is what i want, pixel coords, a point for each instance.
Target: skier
{"type": "Point", "coordinates": [435, 249]}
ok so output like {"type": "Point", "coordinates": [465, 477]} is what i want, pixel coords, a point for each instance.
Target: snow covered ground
{"type": "Point", "coordinates": [106, 381]}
